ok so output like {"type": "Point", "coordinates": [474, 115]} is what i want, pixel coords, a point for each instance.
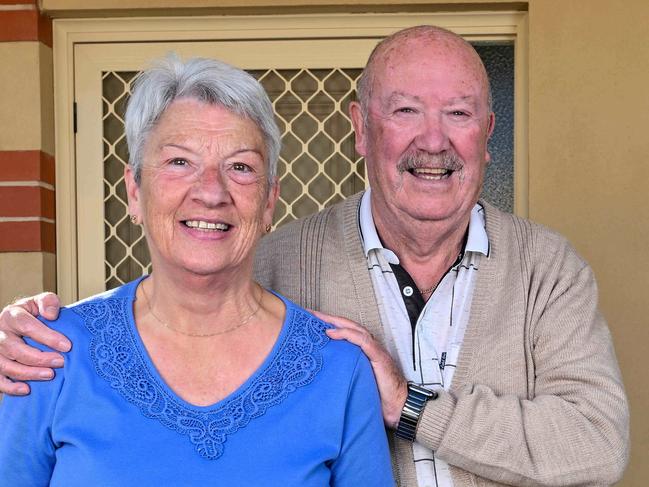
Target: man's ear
{"type": "Point", "coordinates": [490, 131]}
{"type": "Point", "coordinates": [492, 124]}
{"type": "Point", "coordinates": [358, 121]}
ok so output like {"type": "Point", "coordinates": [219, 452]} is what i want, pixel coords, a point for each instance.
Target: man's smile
{"type": "Point", "coordinates": [433, 174]}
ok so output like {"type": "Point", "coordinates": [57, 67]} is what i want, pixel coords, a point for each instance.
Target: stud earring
{"type": "Point", "coordinates": [134, 220]}
{"type": "Point", "coordinates": [268, 227]}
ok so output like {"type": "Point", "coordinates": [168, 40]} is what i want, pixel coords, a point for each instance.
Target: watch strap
{"type": "Point", "coordinates": [415, 402]}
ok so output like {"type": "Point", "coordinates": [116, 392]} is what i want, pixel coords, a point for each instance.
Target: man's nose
{"type": "Point", "coordinates": [432, 135]}
{"type": "Point", "coordinates": [211, 187]}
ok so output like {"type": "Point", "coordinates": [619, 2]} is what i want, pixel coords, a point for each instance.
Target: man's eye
{"type": "Point", "coordinates": [405, 110]}
{"type": "Point", "coordinates": [178, 161]}
{"type": "Point", "coordinates": [459, 113]}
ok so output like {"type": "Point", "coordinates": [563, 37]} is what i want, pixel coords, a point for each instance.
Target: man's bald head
{"type": "Point", "coordinates": [438, 39]}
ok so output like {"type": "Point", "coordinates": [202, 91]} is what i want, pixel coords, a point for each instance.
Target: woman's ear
{"type": "Point", "coordinates": [273, 195]}
{"type": "Point", "coordinates": [133, 194]}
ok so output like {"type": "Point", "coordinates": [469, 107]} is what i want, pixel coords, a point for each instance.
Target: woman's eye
{"type": "Point", "coordinates": [178, 161]}
{"type": "Point", "coordinates": [241, 167]}
{"type": "Point", "coordinates": [243, 173]}
{"type": "Point", "coordinates": [405, 110]}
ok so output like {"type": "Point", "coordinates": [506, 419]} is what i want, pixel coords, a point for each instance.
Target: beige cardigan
{"type": "Point", "coordinates": [537, 397]}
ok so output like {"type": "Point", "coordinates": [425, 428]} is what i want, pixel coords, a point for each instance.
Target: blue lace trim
{"type": "Point", "coordinates": [118, 360]}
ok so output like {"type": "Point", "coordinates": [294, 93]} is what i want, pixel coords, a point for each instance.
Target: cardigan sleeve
{"type": "Point", "coordinates": [572, 427]}
{"type": "Point", "coordinates": [27, 451]}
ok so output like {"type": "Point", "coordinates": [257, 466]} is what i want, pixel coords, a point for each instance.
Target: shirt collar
{"type": "Point", "coordinates": [371, 239]}
{"type": "Point", "coordinates": [477, 241]}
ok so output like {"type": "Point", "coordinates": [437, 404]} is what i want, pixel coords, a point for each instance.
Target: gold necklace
{"type": "Point", "coordinates": [203, 335]}
{"type": "Point", "coordinates": [432, 288]}
{"type": "Point", "coordinates": [426, 291]}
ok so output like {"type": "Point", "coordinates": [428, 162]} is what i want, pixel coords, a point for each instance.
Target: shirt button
{"type": "Point", "coordinates": [407, 291]}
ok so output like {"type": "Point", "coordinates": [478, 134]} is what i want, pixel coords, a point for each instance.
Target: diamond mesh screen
{"type": "Point", "coordinates": [318, 165]}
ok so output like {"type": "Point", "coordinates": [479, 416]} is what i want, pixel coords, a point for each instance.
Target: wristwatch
{"type": "Point", "coordinates": [417, 398]}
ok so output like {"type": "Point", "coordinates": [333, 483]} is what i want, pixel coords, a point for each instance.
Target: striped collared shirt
{"type": "Point", "coordinates": [429, 358]}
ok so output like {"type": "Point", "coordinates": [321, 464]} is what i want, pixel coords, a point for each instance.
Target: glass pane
{"type": "Point", "coordinates": [499, 180]}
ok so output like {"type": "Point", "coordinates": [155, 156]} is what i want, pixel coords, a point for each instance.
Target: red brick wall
{"type": "Point", "coordinates": [27, 207]}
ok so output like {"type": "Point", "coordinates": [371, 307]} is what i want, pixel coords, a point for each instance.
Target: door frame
{"type": "Point", "coordinates": [474, 26]}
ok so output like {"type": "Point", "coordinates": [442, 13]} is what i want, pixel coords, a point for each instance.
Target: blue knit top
{"type": "Point", "coordinates": [309, 416]}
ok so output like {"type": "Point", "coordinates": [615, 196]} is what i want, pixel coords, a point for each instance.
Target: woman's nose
{"type": "Point", "coordinates": [211, 187]}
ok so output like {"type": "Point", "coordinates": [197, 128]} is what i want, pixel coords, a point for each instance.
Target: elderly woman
{"type": "Point", "coordinates": [196, 375]}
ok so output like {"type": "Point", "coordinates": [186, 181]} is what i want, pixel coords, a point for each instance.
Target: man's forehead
{"type": "Point", "coordinates": [425, 56]}
{"type": "Point", "coordinates": [425, 49]}
{"type": "Point", "coordinates": [396, 96]}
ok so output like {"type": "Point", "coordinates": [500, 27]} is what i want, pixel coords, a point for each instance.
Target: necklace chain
{"type": "Point", "coordinates": [432, 288]}
{"type": "Point", "coordinates": [426, 291]}
{"type": "Point", "coordinates": [203, 335]}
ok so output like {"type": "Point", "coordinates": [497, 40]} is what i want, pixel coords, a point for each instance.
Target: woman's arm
{"type": "Point", "coordinates": [364, 457]}
{"type": "Point", "coordinates": [27, 451]}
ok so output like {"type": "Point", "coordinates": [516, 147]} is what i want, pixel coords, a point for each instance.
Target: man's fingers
{"type": "Point", "coordinates": [15, 321]}
{"type": "Point", "coordinates": [361, 337]}
{"type": "Point", "coordinates": [48, 305]}
{"type": "Point", "coordinates": [352, 332]}
{"type": "Point", "coordinates": [338, 321]}
{"type": "Point", "coordinates": [13, 388]}
{"type": "Point", "coordinates": [16, 350]}
{"type": "Point", "coordinates": [17, 371]}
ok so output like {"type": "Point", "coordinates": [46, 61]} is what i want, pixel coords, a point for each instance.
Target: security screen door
{"type": "Point", "coordinates": [310, 93]}
{"type": "Point", "coordinates": [310, 83]}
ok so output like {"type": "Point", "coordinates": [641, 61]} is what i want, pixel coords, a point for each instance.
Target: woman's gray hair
{"type": "Point", "coordinates": [206, 80]}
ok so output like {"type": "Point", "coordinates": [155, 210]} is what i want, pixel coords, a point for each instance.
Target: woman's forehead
{"type": "Point", "coordinates": [188, 119]}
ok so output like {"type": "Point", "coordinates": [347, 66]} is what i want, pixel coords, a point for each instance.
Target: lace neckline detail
{"type": "Point", "coordinates": [119, 357]}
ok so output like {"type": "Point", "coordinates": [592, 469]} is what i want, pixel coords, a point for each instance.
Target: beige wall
{"type": "Point", "coordinates": [27, 110]}
{"type": "Point", "coordinates": [25, 274]}
{"type": "Point", "coordinates": [589, 118]}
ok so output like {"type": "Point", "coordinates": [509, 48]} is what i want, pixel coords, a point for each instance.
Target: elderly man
{"type": "Point", "coordinates": [493, 363]}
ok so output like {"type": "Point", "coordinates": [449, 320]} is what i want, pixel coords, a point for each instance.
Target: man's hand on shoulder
{"type": "Point", "coordinates": [20, 362]}
{"type": "Point", "coordinates": [393, 387]}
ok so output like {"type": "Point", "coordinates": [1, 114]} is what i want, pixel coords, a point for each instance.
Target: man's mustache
{"type": "Point", "coordinates": [445, 160]}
